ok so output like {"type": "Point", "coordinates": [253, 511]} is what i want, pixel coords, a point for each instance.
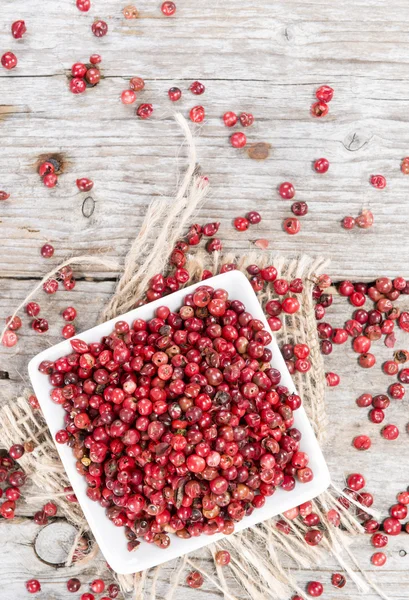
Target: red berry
{"type": "Point", "coordinates": [348, 222]}
{"type": "Point", "coordinates": [292, 225]}
{"type": "Point", "coordinates": [324, 93]}
{"type": "Point", "coordinates": [290, 305]}
{"type": "Point", "coordinates": [338, 580]}
{"type": "Point", "coordinates": [84, 184]}
{"type": "Point", "coordinates": [230, 119]}
{"type": "Point", "coordinates": [14, 323]}
{"type": "Point", "coordinates": [253, 217]}
{"type": "Point", "coordinates": [99, 28]}
{"type": "Point", "coordinates": [379, 540]}
{"type": "Point", "coordinates": [174, 94]}
{"type": "Point", "coordinates": [197, 88]}
{"type": "Point", "coordinates": [168, 8]}
{"type": "Point", "coordinates": [50, 286]}
{"type": "Point", "coordinates": [97, 586]}
{"type": "Point", "coordinates": [69, 314]}
{"type": "Point", "coordinates": [50, 509]}
{"type": "Point", "coordinates": [321, 165]}
{"type": "Point", "coordinates": [399, 511]}
{"type": "Point", "coordinates": [47, 251]}
{"type": "Point", "coordinates": [241, 223]}
{"type": "Point", "coordinates": [222, 558]}
{"type": "Point", "coordinates": [332, 379]}
{"type": "Point", "coordinates": [93, 76]}
{"type": "Point", "coordinates": [390, 432]}
{"type": "Point", "coordinates": [378, 181]}
{"type": "Point", "coordinates": [137, 84]}
{"type": "Point", "coordinates": [9, 60]}
{"type": "Point", "coordinates": [130, 12]}
{"type": "Point", "coordinates": [50, 180]}
{"type": "Point", "coordinates": [144, 111]}
{"type": "Point", "coordinates": [68, 331]}
{"type": "Point", "coordinates": [378, 559]}
{"type": "Point", "coordinates": [84, 5]}
{"type": "Point", "coordinates": [33, 586]}
{"type": "Point", "coordinates": [16, 451]}
{"type": "Point", "coordinates": [73, 585]}
{"type": "Point", "coordinates": [78, 70]}
{"type": "Point", "coordinates": [319, 109]}
{"type": "Point", "coordinates": [367, 360]}
{"type": "Point", "coordinates": [197, 114]}
{"type": "Point", "coordinates": [77, 85]}
{"type": "Point", "coordinates": [396, 391]}
{"type": "Point", "coordinates": [299, 209]}
{"type": "Point", "coordinates": [9, 339]}
{"type": "Point", "coordinates": [128, 97]}
{"type": "Point", "coordinates": [361, 344]}
{"type": "Point", "coordinates": [286, 191]}
{"type": "Point", "coordinates": [356, 482]}
{"type": "Point", "coordinates": [194, 579]}
{"type": "Point", "coordinates": [61, 437]}
{"type": "Point", "coordinates": [246, 119]}
{"type": "Point", "coordinates": [238, 140]}
{"type": "Point", "coordinates": [40, 325]}
{"type": "Point", "coordinates": [362, 442]}
{"type": "Point", "coordinates": [4, 195]}
{"type": "Point", "coordinates": [315, 589]}
{"type": "Point", "coordinates": [95, 59]}
{"type": "Point", "coordinates": [365, 219]}
{"type": "Point", "coordinates": [18, 29]}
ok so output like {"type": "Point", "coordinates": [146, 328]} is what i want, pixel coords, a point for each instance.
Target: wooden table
{"type": "Point", "coordinates": [266, 57]}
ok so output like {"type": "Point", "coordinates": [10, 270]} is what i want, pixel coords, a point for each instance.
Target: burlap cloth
{"type": "Point", "coordinates": [256, 553]}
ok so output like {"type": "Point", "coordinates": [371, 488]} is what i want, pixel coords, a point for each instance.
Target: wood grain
{"type": "Point", "coordinates": [266, 57]}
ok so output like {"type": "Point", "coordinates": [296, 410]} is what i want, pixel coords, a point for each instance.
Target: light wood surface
{"type": "Point", "coordinates": [266, 57]}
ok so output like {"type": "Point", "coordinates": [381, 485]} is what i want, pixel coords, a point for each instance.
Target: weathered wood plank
{"type": "Point", "coordinates": [19, 562]}
{"type": "Point", "coordinates": [140, 163]}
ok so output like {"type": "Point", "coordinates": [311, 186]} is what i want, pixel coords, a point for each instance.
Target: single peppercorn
{"type": "Point", "coordinates": [324, 93]}
{"type": "Point", "coordinates": [197, 88]}
{"type": "Point", "coordinates": [47, 251]}
{"type": "Point", "coordinates": [321, 165]}
{"type": "Point", "coordinates": [73, 585]}
{"type": "Point", "coordinates": [144, 111]}
{"type": "Point", "coordinates": [9, 60]}
{"type": "Point", "coordinates": [378, 181]}
{"type": "Point", "coordinates": [246, 119]}
{"type": "Point", "coordinates": [33, 586]}
{"type": "Point", "coordinates": [299, 208]}
{"type": "Point", "coordinates": [241, 223]}
{"type": "Point", "coordinates": [291, 225]}
{"type": "Point", "coordinates": [319, 109]}
{"type": "Point", "coordinates": [238, 139]}
{"type": "Point", "coordinates": [174, 94]}
{"type": "Point", "coordinates": [194, 579]}
{"type": "Point", "coordinates": [168, 8]}
{"type": "Point", "coordinates": [253, 217]}
{"type": "Point", "coordinates": [315, 589]}
{"type": "Point", "coordinates": [338, 580]}
{"type": "Point", "coordinates": [286, 190]}
{"type": "Point", "coordinates": [99, 28]}
{"type": "Point", "coordinates": [230, 119]}
{"type": "Point", "coordinates": [18, 29]}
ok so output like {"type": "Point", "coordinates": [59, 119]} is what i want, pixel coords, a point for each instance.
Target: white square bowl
{"type": "Point", "coordinates": [111, 539]}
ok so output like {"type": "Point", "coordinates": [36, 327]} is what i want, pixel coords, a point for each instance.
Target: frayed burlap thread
{"type": "Point", "coordinates": [261, 555]}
